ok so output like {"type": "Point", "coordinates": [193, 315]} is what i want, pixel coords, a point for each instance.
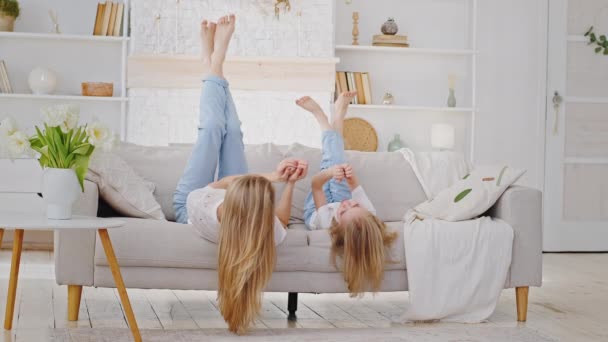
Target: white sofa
{"type": "Point", "coordinates": [167, 255]}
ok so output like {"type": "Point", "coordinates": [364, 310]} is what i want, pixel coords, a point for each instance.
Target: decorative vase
{"type": "Point", "coordinates": [388, 99]}
{"type": "Point", "coordinates": [42, 81]}
{"type": "Point", "coordinates": [7, 24]}
{"type": "Point", "coordinates": [395, 144]}
{"type": "Point", "coordinates": [451, 99]}
{"type": "Point", "coordinates": [60, 189]}
{"type": "Point", "coordinates": [389, 27]}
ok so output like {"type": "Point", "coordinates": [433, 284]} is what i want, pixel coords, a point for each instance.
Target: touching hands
{"type": "Point", "coordinates": [291, 170]}
{"type": "Point", "coordinates": [345, 171]}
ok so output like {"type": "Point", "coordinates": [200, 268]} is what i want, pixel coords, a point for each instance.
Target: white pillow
{"type": "Point", "coordinates": [123, 189]}
{"type": "Point", "coordinates": [469, 197]}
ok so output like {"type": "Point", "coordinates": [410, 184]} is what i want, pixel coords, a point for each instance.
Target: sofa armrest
{"type": "Point", "coordinates": [522, 208]}
{"type": "Point", "coordinates": [75, 250]}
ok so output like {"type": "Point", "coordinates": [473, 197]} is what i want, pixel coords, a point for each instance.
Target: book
{"type": "Point", "coordinates": [359, 86]}
{"type": "Point", "coordinates": [367, 88]}
{"type": "Point", "coordinates": [118, 23]}
{"type": "Point", "coordinates": [106, 18]}
{"type": "Point", "coordinates": [112, 19]}
{"type": "Point", "coordinates": [98, 19]}
{"type": "Point", "coordinates": [352, 86]}
{"type": "Point", "coordinates": [342, 81]}
{"type": "Point", "coordinates": [5, 84]}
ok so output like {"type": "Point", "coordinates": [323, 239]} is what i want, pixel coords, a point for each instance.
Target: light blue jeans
{"type": "Point", "coordinates": [220, 140]}
{"type": "Point", "coordinates": [332, 153]}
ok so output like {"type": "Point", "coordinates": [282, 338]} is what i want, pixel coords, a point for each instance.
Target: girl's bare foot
{"type": "Point", "coordinates": [223, 34]}
{"type": "Point", "coordinates": [312, 106]}
{"type": "Point", "coordinates": [207, 34]}
{"type": "Point", "coordinates": [341, 106]}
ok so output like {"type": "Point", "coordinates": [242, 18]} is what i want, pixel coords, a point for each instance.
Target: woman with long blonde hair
{"type": "Point", "coordinates": [338, 202]}
{"type": "Point", "coordinates": [237, 211]}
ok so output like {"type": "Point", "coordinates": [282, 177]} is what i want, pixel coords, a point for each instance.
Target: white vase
{"type": "Point", "coordinates": [42, 81]}
{"type": "Point", "coordinates": [60, 189]}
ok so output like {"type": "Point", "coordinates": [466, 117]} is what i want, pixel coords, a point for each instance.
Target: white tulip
{"type": "Point", "coordinates": [7, 127]}
{"type": "Point", "coordinates": [97, 134]}
{"type": "Point", "coordinates": [64, 116]}
{"type": "Point", "coordinates": [18, 144]}
{"type": "Point", "coordinates": [71, 120]}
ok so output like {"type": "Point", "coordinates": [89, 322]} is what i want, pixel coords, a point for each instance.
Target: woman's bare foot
{"type": "Point", "coordinates": [341, 106]}
{"type": "Point", "coordinates": [207, 34]}
{"type": "Point", "coordinates": [223, 34]}
{"type": "Point", "coordinates": [312, 106]}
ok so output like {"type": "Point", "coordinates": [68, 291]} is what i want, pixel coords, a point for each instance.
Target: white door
{"type": "Point", "coordinates": [576, 162]}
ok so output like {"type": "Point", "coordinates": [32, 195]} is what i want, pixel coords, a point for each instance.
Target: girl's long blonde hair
{"type": "Point", "coordinates": [246, 250]}
{"type": "Point", "coordinates": [361, 243]}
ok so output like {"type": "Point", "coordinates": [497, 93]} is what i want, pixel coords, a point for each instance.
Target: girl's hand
{"type": "Point", "coordinates": [338, 172]}
{"type": "Point", "coordinates": [300, 172]}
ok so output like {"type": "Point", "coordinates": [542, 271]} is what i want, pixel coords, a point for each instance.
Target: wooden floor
{"type": "Point", "coordinates": [571, 305]}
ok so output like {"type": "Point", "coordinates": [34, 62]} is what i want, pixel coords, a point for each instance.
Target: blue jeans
{"type": "Point", "coordinates": [220, 139]}
{"type": "Point", "coordinates": [332, 153]}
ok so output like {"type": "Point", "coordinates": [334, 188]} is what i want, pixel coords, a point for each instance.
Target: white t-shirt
{"type": "Point", "coordinates": [202, 207]}
{"type": "Point", "coordinates": [322, 217]}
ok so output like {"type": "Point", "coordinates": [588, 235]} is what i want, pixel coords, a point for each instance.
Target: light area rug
{"type": "Point", "coordinates": [418, 333]}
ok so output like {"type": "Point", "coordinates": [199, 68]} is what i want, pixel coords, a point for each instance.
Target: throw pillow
{"type": "Point", "coordinates": [469, 197]}
{"type": "Point", "coordinates": [122, 188]}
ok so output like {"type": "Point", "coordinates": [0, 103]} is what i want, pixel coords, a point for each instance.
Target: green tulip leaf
{"type": "Point", "coordinates": [462, 195]}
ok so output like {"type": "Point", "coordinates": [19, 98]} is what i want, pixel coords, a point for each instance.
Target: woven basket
{"type": "Point", "coordinates": [360, 135]}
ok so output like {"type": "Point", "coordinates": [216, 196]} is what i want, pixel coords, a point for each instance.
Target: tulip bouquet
{"type": "Point", "coordinates": [60, 143]}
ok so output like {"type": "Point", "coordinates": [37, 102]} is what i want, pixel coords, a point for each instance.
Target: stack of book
{"type": "Point", "coordinates": [390, 40]}
{"type": "Point", "coordinates": [108, 21]}
{"type": "Point", "coordinates": [355, 81]}
{"type": "Point", "coordinates": [5, 84]}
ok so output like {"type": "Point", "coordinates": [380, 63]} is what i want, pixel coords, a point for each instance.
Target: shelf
{"type": "Point", "coordinates": [408, 50]}
{"type": "Point", "coordinates": [412, 108]}
{"type": "Point", "coordinates": [64, 97]}
{"type": "Point", "coordinates": [66, 37]}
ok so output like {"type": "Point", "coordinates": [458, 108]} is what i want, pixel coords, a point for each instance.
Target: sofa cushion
{"type": "Point", "coordinates": [164, 165]}
{"type": "Point", "coordinates": [388, 180]}
{"type": "Point", "coordinates": [151, 243]}
{"type": "Point", "coordinates": [320, 250]}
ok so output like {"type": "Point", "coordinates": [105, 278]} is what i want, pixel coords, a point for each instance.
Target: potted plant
{"type": "Point", "coordinates": [9, 11]}
{"type": "Point", "coordinates": [63, 149]}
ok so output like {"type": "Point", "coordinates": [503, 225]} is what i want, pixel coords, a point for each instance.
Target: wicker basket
{"type": "Point", "coordinates": [97, 89]}
{"type": "Point", "coordinates": [360, 135]}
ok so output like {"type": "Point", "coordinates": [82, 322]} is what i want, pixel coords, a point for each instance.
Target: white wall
{"type": "Point", "coordinates": [511, 81]}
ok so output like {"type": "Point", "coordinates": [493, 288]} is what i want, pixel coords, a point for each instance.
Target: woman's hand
{"type": "Point", "coordinates": [284, 170]}
{"type": "Point", "coordinates": [300, 172]}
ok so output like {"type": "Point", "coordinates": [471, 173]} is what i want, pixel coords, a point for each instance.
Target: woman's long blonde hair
{"type": "Point", "coordinates": [361, 243]}
{"type": "Point", "coordinates": [246, 250]}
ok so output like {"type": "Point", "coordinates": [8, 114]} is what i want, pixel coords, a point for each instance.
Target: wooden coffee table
{"type": "Point", "coordinates": [20, 222]}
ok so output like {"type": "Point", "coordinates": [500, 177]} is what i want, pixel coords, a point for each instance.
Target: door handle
{"type": "Point", "coordinates": [557, 101]}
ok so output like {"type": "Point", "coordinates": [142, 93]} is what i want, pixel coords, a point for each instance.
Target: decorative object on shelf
{"type": "Point", "coordinates": [355, 28]}
{"type": "Point", "coordinates": [390, 40]}
{"type": "Point", "coordinates": [5, 83]}
{"type": "Point", "coordinates": [108, 20]}
{"type": "Point", "coordinates": [360, 135]}
{"type": "Point", "coordinates": [55, 20]}
{"type": "Point", "coordinates": [451, 86]}
{"type": "Point", "coordinates": [442, 136]}
{"type": "Point", "coordinates": [389, 27]}
{"type": "Point", "coordinates": [9, 11]}
{"type": "Point", "coordinates": [97, 89]}
{"type": "Point", "coordinates": [395, 144]}
{"type": "Point", "coordinates": [388, 99]}
{"type": "Point", "coordinates": [63, 149]}
{"type": "Point", "coordinates": [601, 41]}
{"type": "Point", "coordinates": [42, 81]}
{"type": "Point", "coordinates": [348, 2]}
{"type": "Point", "coordinates": [277, 7]}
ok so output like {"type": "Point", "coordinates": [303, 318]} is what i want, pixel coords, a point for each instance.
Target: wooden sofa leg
{"type": "Point", "coordinates": [521, 297]}
{"type": "Point", "coordinates": [74, 294]}
{"type": "Point", "coordinates": [292, 305]}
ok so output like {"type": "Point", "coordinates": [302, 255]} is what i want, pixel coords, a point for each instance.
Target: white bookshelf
{"type": "Point", "coordinates": [442, 38]}
{"type": "Point", "coordinates": [75, 55]}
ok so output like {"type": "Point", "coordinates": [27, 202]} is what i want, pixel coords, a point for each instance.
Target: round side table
{"type": "Point", "coordinates": [20, 222]}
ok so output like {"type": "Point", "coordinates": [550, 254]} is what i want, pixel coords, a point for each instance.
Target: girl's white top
{"type": "Point", "coordinates": [322, 217]}
{"type": "Point", "coordinates": [202, 207]}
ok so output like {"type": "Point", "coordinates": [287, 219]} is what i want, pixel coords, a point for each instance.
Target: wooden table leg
{"type": "Point", "coordinates": [12, 283]}
{"type": "Point", "coordinates": [120, 285]}
{"type": "Point", "coordinates": [1, 235]}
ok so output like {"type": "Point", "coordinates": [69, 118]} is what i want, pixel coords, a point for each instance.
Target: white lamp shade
{"type": "Point", "coordinates": [442, 136]}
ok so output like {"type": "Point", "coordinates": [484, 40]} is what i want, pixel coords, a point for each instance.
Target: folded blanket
{"type": "Point", "coordinates": [456, 270]}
